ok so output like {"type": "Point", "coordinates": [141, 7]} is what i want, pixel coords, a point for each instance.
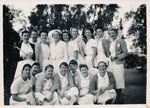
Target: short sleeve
{"type": "Point", "coordinates": [15, 87]}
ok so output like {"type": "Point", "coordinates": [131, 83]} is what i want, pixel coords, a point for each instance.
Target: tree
{"type": "Point", "coordinates": [38, 19]}
{"type": "Point", "coordinates": [10, 36]}
{"type": "Point", "coordinates": [103, 14]}
{"type": "Point", "coordinates": [138, 27]}
{"type": "Point", "coordinates": [64, 16]}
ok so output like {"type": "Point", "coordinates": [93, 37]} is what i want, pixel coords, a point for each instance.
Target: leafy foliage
{"type": "Point", "coordinates": [65, 16]}
{"type": "Point", "coordinates": [10, 37]}
{"type": "Point", "coordinates": [138, 27]}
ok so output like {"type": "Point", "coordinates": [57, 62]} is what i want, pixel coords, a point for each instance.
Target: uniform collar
{"type": "Point", "coordinates": [115, 39]}
{"type": "Point", "coordinates": [23, 81]}
{"type": "Point", "coordinates": [86, 77]}
{"type": "Point", "coordinates": [105, 76]}
{"type": "Point", "coordinates": [62, 76]}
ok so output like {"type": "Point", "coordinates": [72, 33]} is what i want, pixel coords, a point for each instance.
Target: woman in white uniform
{"type": "Point", "coordinates": [118, 50]}
{"type": "Point", "coordinates": [102, 85]}
{"type": "Point", "coordinates": [20, 88]}
{"type": "Point", "coordinates": [42, 51]}
{"type": "Point", "coordinates": [83, 85]}
{"type": "Point", "coordinates": [58, 51]}
{"type": "Point", "coordinates": [77, 41]}
{"type": "Point", "coordinates": [90, 47]}
{"type": "Point", "coordinates": [72, 46]}
{"type": "Point", "coordinates": [102, 46]}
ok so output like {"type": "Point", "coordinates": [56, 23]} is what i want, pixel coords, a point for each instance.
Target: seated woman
{"type": "Point", "coordinates": [45, 87]}
{"type": "Point", "coordinates": [65, 87]}
{"type": "Point", "coordinates": [20, 88]}
{"type": "Point", "coordinates": [83, 85]}
{"type": "Point", "coordinates": [102, 85]}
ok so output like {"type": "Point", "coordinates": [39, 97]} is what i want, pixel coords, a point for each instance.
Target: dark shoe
{"type": "Point", "coordinates": [109, 101]}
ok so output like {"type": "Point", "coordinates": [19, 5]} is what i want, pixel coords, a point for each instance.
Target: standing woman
{"type": "Point", "coordinates": [80, 43]}
{"type": "Point", "coordinates": [26, 48]}
{"type": "Point", "coordinates": [58, 51]}
{"type": "Point", "coordinates": [90, 47]}
{"type": "Point", "coordinates": [42, 50]}
{"type": "Point", "coordinates": [118, 50]}
{"type": "Point", "coordinates": [102, 46]}
{"type": "Point", "coordinates": [65, 36]}
{"type": "Point", "coordinates": [34, 37]}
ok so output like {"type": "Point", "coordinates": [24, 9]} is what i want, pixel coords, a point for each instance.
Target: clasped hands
{"type": "Point", "coordinates": [63, 94]}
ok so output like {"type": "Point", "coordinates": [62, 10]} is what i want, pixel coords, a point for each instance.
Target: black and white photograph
{"type": "Point", "coordinates": [74, 54]}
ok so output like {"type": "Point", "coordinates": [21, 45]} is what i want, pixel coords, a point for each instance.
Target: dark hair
{"type": "Point", "coordinates": [83, 65]}
{"type": "Point", "coordinates": [25, 32]}
{"type": "Point", "coordinates": [63, 63]}
{"type": "Point", "coordinates": [43, 31]}
{"type": "Point", "coordinates": [57, 32]}
{"type": "Point", "coordinates": [73, 62]}
{"type": "Point", "coordinates": [73, 27]}
{"type": "Point", "coordinates": [83, 33]}
{"type": "Point", "coordinates": [49, 66]}
{"type": "Point", "coordinates": [36, 63]}
{"type": "Point", "coordinates": [99, 27]}
{"type": "Point", "coordinates": [65, 31]}
{"type": "Point", "coordinates": [113, 28]}
{"type": "Point", "coordinates": [26, 65]}
{"type": "Point", "coordinates": [104, 63]}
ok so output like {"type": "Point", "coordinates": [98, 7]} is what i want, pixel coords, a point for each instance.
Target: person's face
{"type": "Point", "coordinates": [26, 72]}
{"type": "Point", "coordinates": [34, 36]}
{"type": "Point", "coordinates": [84, 71]}
{"type": "Point", "coordinates": [73, 67]}
{"type": "Point", "coordinates": [102, 67]}
{"type": "Point", "coordinates": [56, 36]}
{"type": "Point", "coordinates": [43, 37]}
{"type": "Point", "coordinates": [99, 32]}
{"type": "Point", "coordinates": [35, 70]}
{"type": "Point", "coordinates": [63, 70]}
{"type": "Point", "coordinates": [112, 34]}
{"type": "Point", "coordinates": [74, 33]}
{"type": "Point", "coordinates": [88, 34]}
{"type": "Point", "coordinates": [25, 37]}
{"type": "Point", "coordinates": [65, 37]}
{"type": "Point", "coordinates": [49, 72]}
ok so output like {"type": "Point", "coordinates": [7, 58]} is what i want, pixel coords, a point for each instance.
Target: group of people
{"type": "Point", "coordinates": [67, 69]}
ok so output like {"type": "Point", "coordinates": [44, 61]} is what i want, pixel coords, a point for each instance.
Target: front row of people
{"type": "Point", "coordinates": [68, 87]}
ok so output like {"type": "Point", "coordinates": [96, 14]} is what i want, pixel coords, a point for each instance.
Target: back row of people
{"type": "Point", "coordinates": [68, 87]}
